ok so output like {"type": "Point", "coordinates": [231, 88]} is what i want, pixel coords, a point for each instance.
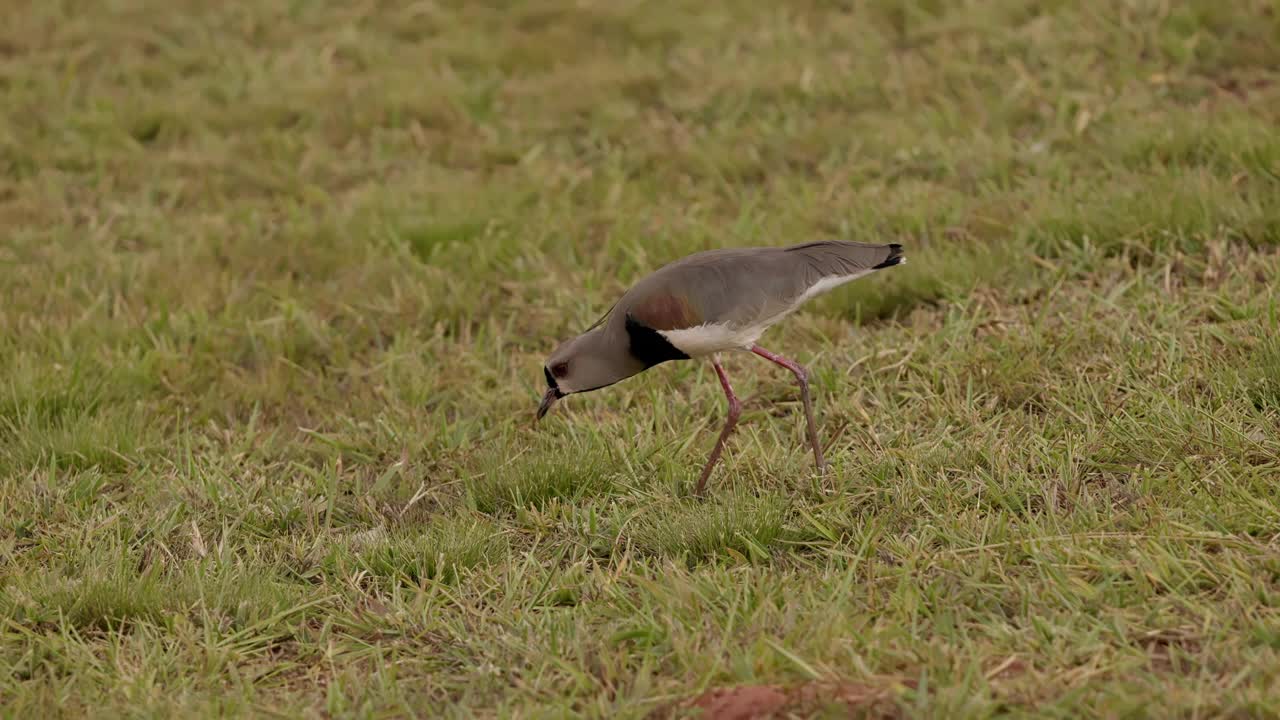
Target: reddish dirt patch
{"type": "Point", "coordinates": [745, 702]}
{"type": "Point", "coordinates": [757, 702]}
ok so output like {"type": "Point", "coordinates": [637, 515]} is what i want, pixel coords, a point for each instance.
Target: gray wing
{"type": "Point", "coordinates": [747, 286]}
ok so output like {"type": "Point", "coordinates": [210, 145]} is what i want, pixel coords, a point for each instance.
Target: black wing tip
{"type": "Point", "coordinates": [895, 257]}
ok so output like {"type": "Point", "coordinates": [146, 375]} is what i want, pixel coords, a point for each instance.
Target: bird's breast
{"type": "Point", "coordinates": [711, 338]}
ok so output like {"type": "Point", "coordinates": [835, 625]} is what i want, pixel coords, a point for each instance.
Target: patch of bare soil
{"type": "Point", "coordinates": [757, 702]}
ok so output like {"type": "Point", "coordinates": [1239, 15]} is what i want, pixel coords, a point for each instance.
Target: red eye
{"type": "Point", "coordinates": [560, 369]}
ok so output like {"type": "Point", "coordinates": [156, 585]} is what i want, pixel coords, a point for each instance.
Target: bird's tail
{"type": "Point", "coordinates": [895, 256]}
{"type": "Point", "coordinates": [841, 257]}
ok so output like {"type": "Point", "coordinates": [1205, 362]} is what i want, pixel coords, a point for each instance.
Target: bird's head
{"type": "Point", "coordinates": [585, 363]}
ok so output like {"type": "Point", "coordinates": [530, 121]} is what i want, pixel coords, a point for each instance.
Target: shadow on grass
{"type": "Point", "coordinates": [443, 552]}
{"type": "Point", "coordinates": [1264, 375]}
{"type": "Point", "coordinates": [741, 526]}
{"type": "Point", "coordinates": [114, 593]}
{"type": "Point", "coordinates": [567, 474]}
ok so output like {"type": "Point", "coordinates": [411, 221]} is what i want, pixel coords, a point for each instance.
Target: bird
{"type": "Point", "coordinates": [705, 304]}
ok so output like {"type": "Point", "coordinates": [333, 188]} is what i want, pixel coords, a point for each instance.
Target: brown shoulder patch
{"type": "Point", "coordinates": [666, 311]}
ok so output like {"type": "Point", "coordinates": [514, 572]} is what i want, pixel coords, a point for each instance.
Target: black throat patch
{"type": "Point", "coordinates": [648, 346]}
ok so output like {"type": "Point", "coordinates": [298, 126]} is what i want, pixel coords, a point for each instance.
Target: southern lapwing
{"type": "Point", "coordinates": [704, 304]}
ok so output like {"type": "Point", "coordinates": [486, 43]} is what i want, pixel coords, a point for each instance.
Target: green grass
{"type": "Point", "coordinates": [277, 280]}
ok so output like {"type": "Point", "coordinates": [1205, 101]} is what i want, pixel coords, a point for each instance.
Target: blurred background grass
{"type": "Point", "coordinates": [277, 279]}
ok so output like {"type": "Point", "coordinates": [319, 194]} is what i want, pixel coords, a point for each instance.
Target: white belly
{"type": "Point", "coordinates": [712, 338]}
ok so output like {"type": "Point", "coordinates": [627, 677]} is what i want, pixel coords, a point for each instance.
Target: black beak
{"type": "Point", "coordinates": [553, 394]}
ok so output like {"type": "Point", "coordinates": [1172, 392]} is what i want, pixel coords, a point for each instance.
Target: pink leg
{"type": "Point", "coordinates": [735, 409]}
{"type": "Point", "coordinates": [802, 376]}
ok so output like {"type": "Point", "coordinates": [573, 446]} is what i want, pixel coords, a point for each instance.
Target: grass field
{"type": "Point", "coordinates": [277, 280]}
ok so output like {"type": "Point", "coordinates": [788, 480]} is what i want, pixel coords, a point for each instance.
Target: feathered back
{"type": "Point", "coordinates": [745, 286]}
